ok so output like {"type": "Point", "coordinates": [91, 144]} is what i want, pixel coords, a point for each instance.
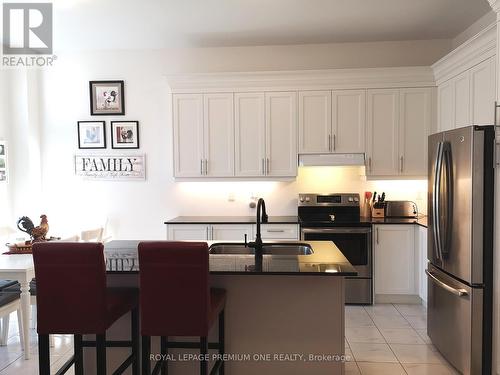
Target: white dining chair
{"type": "Point", "coordinates": [5, 312]}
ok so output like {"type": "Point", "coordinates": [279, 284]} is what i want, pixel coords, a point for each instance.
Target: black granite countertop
{"type": "Point", "coordinates": [326, 260]}
{"type": "Point", "coordinates": [231, 220]}
{"type": "Point", "coordinates": [421, 220]}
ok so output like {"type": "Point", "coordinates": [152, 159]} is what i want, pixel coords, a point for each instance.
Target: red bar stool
{"type": "Point", "coordinates": [72, 298]}
{"type": "Point", "coordinates": [176, 300]}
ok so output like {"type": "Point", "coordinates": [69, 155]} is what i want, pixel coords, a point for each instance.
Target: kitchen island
{"type": "Point", "coordinates": [285, 318]}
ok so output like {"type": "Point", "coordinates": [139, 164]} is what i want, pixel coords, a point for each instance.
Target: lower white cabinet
{"type": "Point", "coordinates": [421, 246]}
{"type": "Point", "coordinates": [209, 232]}
{"type": "Point", "coordinates": [394, 260]}
{"type": "Point", "coordinates": [278, 232]}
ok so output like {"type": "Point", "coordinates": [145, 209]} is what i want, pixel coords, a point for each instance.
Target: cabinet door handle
{"type": "Point", "coordinates": [207, 235]}
{"type": "Point", "coordinates": [206, 167]}
{"type": "Point", "coordinates": [369, 163]}
{"type": "Point", "coordinates": [376, 235]}
{"type": "Point", "coordinates": [276, 230]}
{"type": "Point", "coordinates": [401, 164]}
{"type": "Point", "coordinates": [212, 233]}
{"type": "Point", "coordinates": [329, 142]}
{"type": "Point", "coordinates": [201, 167]}
{"type": "Point", "coordinates": [268, 165]}
{"type": "Point", "coordinates": [334, 142]}
{"type": "Point", "coordinates": [263, 167]}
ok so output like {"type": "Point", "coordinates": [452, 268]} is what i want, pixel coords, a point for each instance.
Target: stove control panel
{"type": "Point", "coordinates": [341, 199]}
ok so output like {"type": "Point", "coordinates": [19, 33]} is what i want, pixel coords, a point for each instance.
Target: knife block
{"type": "Point", "coordinates": [378, 209]}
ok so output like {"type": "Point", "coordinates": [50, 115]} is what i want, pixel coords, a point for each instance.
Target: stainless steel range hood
{"type": "Point", "coordinates": [331, 160]}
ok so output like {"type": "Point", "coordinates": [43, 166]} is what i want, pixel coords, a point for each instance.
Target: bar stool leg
{"type": "Point", "coordinates": [101, 354]}
{"type": "Point", "coordinates": [146, 350]}
{"type": "Point", "coordinates": [135, 341]}
{"type": "Point", "coordinates": [164, 352]}
{"type": "Point", "coordinates": [78, 348]}
{"type": "Point", "coordinates": [203, 351]}
{"type": "Point", "coordinates": [221, 340]}
{"type": "Point", "coordinates": [43, 355]}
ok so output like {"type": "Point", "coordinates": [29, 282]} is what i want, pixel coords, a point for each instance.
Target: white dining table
{"type": "Point", "coordinates": [20, 267]}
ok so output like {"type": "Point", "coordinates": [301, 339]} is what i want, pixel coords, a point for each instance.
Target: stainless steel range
{"type": "Point", "coordinates": [336, 218]}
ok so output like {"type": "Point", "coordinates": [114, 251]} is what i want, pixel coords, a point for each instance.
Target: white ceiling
{"type": "Point", "coordinates": [88, 24]}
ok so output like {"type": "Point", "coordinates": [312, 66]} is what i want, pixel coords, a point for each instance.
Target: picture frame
{"type": "Point", "coordinates": [91, 134]}
{"type": "Point", "coordinates": [124, 134]}
{"type": "Point", "coordinates": [3, 162]}
{"type": "Point", "coordinates": [107, 98]}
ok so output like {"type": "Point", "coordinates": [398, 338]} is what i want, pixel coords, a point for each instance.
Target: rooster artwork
{"type": "Point", "coordinates": [38, 233]}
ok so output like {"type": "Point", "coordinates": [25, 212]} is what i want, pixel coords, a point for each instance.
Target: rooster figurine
{"type": "Point", "coordinates": [37, 233]}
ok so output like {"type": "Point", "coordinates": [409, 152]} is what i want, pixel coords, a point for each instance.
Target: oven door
{"type": "Point", "coordinates": [354, 243]}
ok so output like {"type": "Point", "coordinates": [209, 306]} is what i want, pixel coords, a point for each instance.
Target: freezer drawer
{"type": "Point", "coordinates": [358, 291]}
{"type": "Point", "coordinates": [455, 321]}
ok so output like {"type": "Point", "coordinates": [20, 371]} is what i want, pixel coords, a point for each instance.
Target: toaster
{"type": "Point", "coordinates": [401, 209]}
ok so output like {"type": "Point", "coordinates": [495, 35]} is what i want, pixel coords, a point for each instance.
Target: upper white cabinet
{"type": "Point", "coordinates": [468, 98]}
{"type": "Point", "coordinates": [395, 260]}
{"type": "Point", "coordinates": [348, 121]}
{"type": "Point", "coordinates": [315, 121]}
{"type": "Point", "coordinates": [398, 124]}
{"type": "Point", "coordinates": [218, 132]}
{"type": "Point", "coordinates": [281, 134]}
{"type": "Point", "coordinates": [332, 121]}
{"type": "Point", "coordinates": [415, 121]}
{"type": "Point", "coordinates": [250, 134]}
{"type": "Point", "coordinates": [482, 83]}
{"type": "Point", "coordinates": [188, 135]}
{"type": "Point", "coordinates": [203, 135]}
{"type": "Point", "coordinates": [382, 132]}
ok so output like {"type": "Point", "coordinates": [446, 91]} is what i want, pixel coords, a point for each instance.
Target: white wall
{"type": "Point", "coordinates": [138, 209]}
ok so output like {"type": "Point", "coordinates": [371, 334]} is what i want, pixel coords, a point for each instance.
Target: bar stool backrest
{"type": "Point", "coordinates": [174, 288]}
{"type": "Point", "coordinates": [71, 287]}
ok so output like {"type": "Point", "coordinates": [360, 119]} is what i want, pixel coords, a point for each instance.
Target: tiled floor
{"type": "Point", "coordinates": [381, 339]}
{"type": "Point", "coordinates": [390, 340]}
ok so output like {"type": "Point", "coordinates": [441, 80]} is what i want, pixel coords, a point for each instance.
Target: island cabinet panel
{"type": "Point", "coordinates": [250, 134]}
{"type": "Point", "coordinates": [394, 261]}
{"type": "Point", "coordinates": [281, 134]}
{"type": "Point", "coordinates": [382, 132]}
{"type": "Point", "coordinates": [188, 135]}
{"type": "Point", "coordinates": [315, 122]}
{"type": "Point", "coordinates": [348, 121]}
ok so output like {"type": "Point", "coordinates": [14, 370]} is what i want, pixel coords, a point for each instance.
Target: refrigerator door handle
{"type": "Point", "coordinates": [445, 247]}
{"type": "Point", "coordinates": [457, 292]}
{"type": "Point", "coordinates": [436, 189]}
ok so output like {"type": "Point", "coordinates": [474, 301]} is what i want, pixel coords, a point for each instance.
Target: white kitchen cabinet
{"type": "Point", "coordinates": [414, 128]}
{"type": "Point", "coordinates": [446, 106]}
{"type": "Point", "coordinates": [348, 121]}
{"type": "Point", "coordinates": [421, 246]}
{"type": "Point", "coordinates": [394, 260]}
{"type": "Point", "coordinates": [482, 84]}
{"type": "Point", "coordinates": [278, 232]}
{"type": "Point", "coordinates": [382, 132]}
{"type": "Point", "coordinates": [315, 122]}
{"type": "Point", "coordinates": [462, 99]}
{"type": "Point", "coordinates": [188, 135]}
{"type": "Point", "coordinates": [188, 232]}
{"type": "Point", "coordinates": [218, 131]}
{"type": "Point", "coordinates": [209, 232]}
{"type": "Point", "coordinates": [203, 135]}
{"type": "Point", "coordinates": [231, 232]}
{"type": "Point", "coordinates": [281, 134]}
{"type": "Point", "coordinates": [250, 129]}
{"type": "Point", "coordinates": [468, 98]}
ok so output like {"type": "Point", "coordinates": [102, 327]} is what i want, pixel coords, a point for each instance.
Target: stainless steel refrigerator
{"type": "Point", "coordinates": [460, 246]}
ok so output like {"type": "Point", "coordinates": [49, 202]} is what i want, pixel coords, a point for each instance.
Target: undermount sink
{"type": "Point", "coordinates": [267, 249]}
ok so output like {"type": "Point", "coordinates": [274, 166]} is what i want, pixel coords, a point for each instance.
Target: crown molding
{"type": "Point", "coordinates": [419, 76]}
{"type": "Point", "coordinates": [495, 5]}
{"type": "Point", "coordinates": [478, 48]}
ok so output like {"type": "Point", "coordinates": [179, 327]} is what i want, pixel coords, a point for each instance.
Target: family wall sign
{"type": "Point", "coordinates": [111, 167]}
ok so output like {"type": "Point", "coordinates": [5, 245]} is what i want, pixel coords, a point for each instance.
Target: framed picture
{"type": "Point", "coordinates": [3, 161]}
{"type": "Point", "coordinates": [125, 134]}
{"type": "Point", "coordinates": [91, 134]}
{"type": "Point", "coordinates": [107, 98]}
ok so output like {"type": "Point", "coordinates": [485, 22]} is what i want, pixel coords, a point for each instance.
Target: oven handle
{"type": "Point", "coordinates": [337, 230]}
